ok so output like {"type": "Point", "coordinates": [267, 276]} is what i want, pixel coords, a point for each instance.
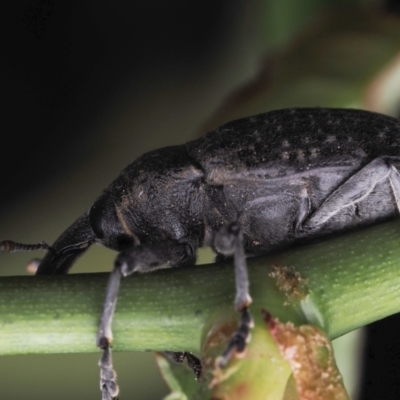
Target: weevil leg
{"type": "Point", "coordinates": [358, 187]}
{"type": "Point", "coordinates": [137, 259]}
{"type": "Point", "coordinates": [108, 377]}
{"type": "Point", "coordinates": [192, 361]}
{"type": "Point", "coordinates": [229, 241]}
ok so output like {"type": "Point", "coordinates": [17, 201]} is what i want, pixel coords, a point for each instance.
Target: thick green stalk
{"type": "Point", "coordinates": [339, 285]}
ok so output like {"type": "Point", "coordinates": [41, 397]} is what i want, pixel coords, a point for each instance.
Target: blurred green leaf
{"type": "Point", "coordinates": [347, 57]}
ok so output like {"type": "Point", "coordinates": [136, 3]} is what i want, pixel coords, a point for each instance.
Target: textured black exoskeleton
{"type": "Point", "coordinates": [250, 187]}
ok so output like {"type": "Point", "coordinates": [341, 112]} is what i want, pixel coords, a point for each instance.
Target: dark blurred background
{"type": "Point", "coordinates": [86, 87]}
{"type": "Point", "coordinates": [68, 67]}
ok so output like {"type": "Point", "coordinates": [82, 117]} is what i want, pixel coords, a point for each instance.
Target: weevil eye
{"type": "Point", "coordinates": [96, 218]}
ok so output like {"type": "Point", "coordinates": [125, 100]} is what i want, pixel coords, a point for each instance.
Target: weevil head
{"type": "Point", "coordinates": [156, 198]}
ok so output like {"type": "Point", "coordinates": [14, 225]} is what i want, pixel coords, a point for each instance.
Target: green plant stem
{"type": "Point", "coordinates": [348, 282]}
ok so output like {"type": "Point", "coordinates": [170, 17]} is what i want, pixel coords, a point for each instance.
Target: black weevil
{"type": "Point", "coordinates": [249, 187]}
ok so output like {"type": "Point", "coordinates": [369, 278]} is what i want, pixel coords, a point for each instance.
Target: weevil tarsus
{"type": "Point", "coordinates": [108, 377]}
{"type": "Point", "coordinates": [179, 357]}
{"type": "Point", "coordinates": [237, 343]}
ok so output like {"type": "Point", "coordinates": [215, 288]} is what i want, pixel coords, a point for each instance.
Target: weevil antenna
{"type": "Point", "coordinates": [9, 246]}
